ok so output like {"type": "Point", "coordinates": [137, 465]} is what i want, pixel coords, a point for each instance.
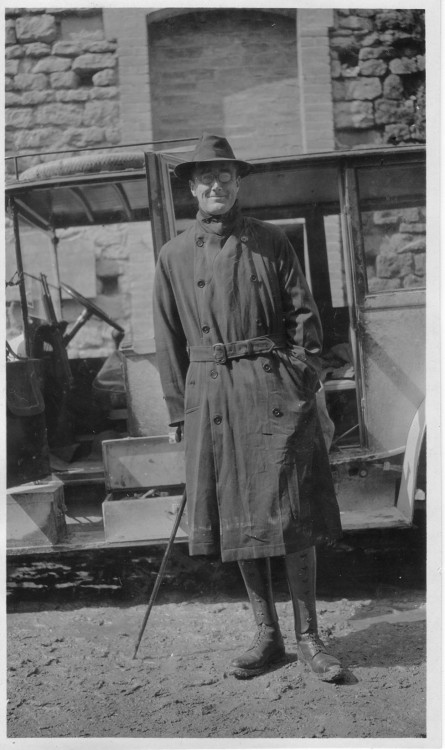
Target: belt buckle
{"type": "Point", "coordinates": [219, 353]}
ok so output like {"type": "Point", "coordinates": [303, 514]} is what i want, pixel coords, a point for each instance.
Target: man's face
{"type": "Point", "coordinates": [215, 185]}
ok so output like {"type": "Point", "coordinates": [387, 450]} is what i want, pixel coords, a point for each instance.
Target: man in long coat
{"type": "Point", "coordinates": [237, 338]}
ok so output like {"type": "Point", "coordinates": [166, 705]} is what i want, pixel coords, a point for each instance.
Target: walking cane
{"type": "Point", "coordinates": [160, 575]}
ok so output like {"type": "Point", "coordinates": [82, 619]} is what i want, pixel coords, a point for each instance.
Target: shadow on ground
{"type": "Point", "coordinates": [367, 564]}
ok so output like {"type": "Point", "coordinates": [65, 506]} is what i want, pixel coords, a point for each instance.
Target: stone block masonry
{"type": "Point", "coordinates": [395, 248]}
{"type": "Point", "coordinates": [62, 70]}
{"type": "Point", "coordinates": [36, 28]}
{"type": "Point", "coordinates": [146, 67]}
{"type": "Point", "coordinates": [378, 73]}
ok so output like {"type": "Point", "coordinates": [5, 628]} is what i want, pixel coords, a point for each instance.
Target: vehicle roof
{"type": "Point", "coordinates": [111, 187]}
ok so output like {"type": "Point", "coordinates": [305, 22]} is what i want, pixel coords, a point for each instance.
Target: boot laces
{"type": "Point", "coordinates": [260, 633]}
{"type": "Point", "coordinates": [315, 642]}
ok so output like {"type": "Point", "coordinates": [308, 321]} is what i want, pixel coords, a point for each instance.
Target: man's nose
{"type": "Point", "coordinates": [216, 182]}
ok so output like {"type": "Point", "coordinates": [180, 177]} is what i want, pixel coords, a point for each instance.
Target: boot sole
{"type": "Point", "coordinates": [332, 675]}
{"type": "Point", "coordinates": [241, 673]}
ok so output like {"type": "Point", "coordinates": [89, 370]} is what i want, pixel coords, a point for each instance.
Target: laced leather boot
{"type": "Point", "coordinates": [301, 577]}
{"type": "Point", "coordinates": [267, 646]}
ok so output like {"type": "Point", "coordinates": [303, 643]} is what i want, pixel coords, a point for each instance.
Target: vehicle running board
{"type": "Point", "coordinates": [380, 518]}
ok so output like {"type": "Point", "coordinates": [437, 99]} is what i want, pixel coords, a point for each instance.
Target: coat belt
{"type": "Point", "coordinates": [220, 353]}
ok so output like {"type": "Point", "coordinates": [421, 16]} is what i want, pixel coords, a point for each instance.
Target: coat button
{"type": "Point", "coordinates": [267, 367]}
{"type": "Point", "coordinates": [205, 329]}
{"type": "Point", "coordinates": [201, 282]}
{"type": "Point", "coordinates": [259, 323]}
{"type": "Point", "coordinates": [213, 374]}
{"type": "Point", "coordinates": [218, 420]}
{"type": "Point", "coordinates": [253, 277]}
{"type": "Point", "coordinates": [200, 242]}
{"type": "Point", "coordinates": [277, 413]}
{"type": "Point", "coordinates": [244, 238]}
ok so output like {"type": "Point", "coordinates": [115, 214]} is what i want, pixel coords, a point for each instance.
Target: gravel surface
{"type": "Point", "coordinates": [73, 625]}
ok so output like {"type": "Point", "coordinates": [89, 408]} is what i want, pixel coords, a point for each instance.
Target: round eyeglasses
{"type": "Point", "coordinates": [208, 178]}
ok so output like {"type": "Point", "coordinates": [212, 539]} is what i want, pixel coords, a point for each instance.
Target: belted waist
{"type": "Point", "coordinates": [220, 353]}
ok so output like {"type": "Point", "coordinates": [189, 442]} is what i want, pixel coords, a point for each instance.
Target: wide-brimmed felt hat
{"type": "Point", "coordinates": [211, 148]}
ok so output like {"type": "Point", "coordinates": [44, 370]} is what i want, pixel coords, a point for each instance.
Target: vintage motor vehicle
{"type": "Point", "coordinates": [90, 462]}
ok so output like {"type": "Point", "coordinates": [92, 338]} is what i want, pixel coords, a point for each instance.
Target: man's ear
{"type": "Point", "coordinates": [192, 188]}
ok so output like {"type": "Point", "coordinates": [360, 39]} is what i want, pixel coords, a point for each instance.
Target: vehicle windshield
{"type": "Point", "coordinates": [112, 267]}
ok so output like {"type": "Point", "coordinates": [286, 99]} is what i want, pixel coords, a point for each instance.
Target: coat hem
{"type": "Point", "coordinates": [256, 553]}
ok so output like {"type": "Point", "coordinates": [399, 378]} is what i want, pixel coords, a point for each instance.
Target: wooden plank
{"type": "Point", "coordinates": [383, 518]}
{"type": "Point", "coordinates": [134, 463]}
{"type": "Point", "coordinates": [35, 514]}
{"type": "Point", "coordinates": [339, 385]}
{"type": "Point", "coordinates": [140, 519]}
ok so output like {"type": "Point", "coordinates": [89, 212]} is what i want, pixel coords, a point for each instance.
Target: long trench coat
{"type": "Point", "coordinates": [257, 471]}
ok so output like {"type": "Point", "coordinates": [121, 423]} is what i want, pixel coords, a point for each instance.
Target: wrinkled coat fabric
{"type": "Point", "coordinates": [257, 471]}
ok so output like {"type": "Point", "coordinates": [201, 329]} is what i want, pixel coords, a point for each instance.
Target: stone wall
{"type": "Point", "coordinates": [378, 76]}
{"type": "Point", "coordinates": [100, 77]}
{"type": "Point", "coordinates": [395, 248]}
{"type": "Point", "coordinates": [63, 69]}
{"type": "Point", "coordinates": [61, 82]}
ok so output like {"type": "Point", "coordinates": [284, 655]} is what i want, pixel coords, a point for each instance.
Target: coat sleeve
{"type": "Point", "coordinates": [171, 343]}
{"type": "Point", "coordinates": [301, 318]}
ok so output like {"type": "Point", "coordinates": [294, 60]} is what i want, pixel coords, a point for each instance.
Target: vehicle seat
{"type": "Point", "coordinates": [108, 386]}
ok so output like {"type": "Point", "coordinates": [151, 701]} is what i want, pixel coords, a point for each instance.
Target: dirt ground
{"type": "Point", "coordinates": [73, 625]}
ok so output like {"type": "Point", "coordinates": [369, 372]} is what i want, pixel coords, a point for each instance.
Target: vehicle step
{"type": "Point", "coordinates": [141, 519]}
{"type": "Point", "coordinates": [142, 462]}
{"type": "Point", "coordinates": [380, 518]}
{"type": "Point", "coordinates": [35, 513]}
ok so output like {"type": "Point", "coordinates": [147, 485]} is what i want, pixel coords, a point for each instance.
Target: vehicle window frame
{"type": "Point", "coordinates": [353, 208]}
{"type": "Point", "coordinates": [160, 199]}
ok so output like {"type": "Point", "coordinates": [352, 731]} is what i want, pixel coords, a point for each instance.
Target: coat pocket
{"type": "Point", "coordinates": [303, 375]}
{"type": "Point", "coordinates": [193, 388]}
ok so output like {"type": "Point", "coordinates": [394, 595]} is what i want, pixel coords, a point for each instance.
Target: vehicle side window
{"type": "Point", "coordinates": [393, 223]}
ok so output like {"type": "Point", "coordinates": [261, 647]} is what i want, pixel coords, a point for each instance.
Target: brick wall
{"type": "Point", "coordinates": [227, 70]}
{"type": "Point", "coordinates": [315, 79]}
{"type": "Point", "coordinates": [129, 28]}
{"type": "Point", "coordinates": [378, 72]}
